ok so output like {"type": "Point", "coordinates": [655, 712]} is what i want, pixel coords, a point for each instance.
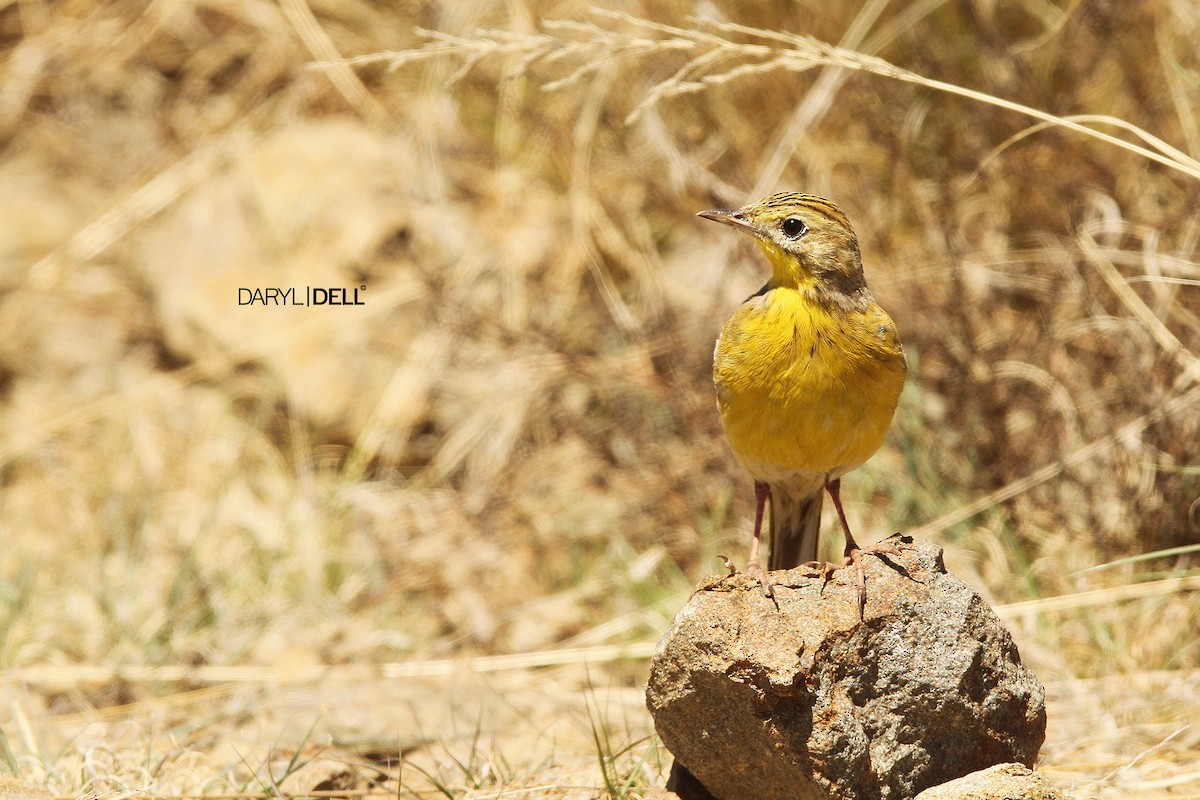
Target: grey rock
{"type": "Point", "coordinates": [808, 701]}
{"type": "Point", "coordinates": [1001, 782]}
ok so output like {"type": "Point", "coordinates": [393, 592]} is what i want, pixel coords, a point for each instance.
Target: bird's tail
{"type": "Point", "coordinates": [795, 526]}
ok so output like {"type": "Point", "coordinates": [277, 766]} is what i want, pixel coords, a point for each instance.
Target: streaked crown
{"type": "Point", "coordinates": [807, 238]}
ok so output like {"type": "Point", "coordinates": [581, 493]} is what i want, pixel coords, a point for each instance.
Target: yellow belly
{"type": "Point", "coordinates": [803, 391]}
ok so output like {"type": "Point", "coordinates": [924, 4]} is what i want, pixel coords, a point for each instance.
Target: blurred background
{"type": "Point", "coordinates": [512, 447]}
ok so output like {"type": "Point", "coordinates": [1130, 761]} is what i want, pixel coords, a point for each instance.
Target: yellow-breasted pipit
{"type": "Point", "coordinates": [808, 372]}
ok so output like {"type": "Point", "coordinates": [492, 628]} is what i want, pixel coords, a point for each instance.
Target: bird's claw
{"type": "Point", "coordinates": [754, 570]}
{"type": "Point", "coordinates": [823, 569]}
{"type": "Point", "coordinates": [854, 557]}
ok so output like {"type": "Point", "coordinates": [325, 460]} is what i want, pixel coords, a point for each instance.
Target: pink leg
{"type": "Point", "coordinates": [754, 567]}
{"type": "Point", "coordinates": [762, 492]}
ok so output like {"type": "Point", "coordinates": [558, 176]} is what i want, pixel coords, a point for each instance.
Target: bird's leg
{"type": "Point", "coordinates": [834, 487]}
{"type": "Point", "coordinates": [853, 553]}
{"type": "Point", "coordinates": [754, 567]}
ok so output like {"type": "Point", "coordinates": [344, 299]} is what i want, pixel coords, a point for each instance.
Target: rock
{"type": "Point", "coordinates": [1001, 782]}
{"type": "Point", "coordinates": [807, 701]}
{"type": "Point", "coordinates": [321, 775]}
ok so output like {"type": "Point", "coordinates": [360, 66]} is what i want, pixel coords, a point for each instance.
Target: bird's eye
{"type": "Point", "coordinates": [794, 227]}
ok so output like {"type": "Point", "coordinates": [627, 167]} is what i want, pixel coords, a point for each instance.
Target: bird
{"type": "Point", "coordinates": [808, 373]}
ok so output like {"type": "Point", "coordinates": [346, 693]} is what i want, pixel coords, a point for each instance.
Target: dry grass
{"type": "Point", "coordinates": [219, 519]}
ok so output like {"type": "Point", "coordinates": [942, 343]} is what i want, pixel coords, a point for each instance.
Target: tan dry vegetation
{"type": "Point", "coordinates": [512, 447]}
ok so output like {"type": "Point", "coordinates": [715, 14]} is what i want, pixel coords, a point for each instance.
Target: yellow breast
{"type": "Point", "coordinates": [803, 389]}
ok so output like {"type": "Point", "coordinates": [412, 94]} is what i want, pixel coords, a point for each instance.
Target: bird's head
{"type": "Point", "coordinates": [807, 238]}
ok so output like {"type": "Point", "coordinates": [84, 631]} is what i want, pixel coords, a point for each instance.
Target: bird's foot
{"type": "Point", "coordinates": [823, 569]}
{"type": "Point", "coordinates": [854, 555]}
{"type": "Point", "coordinates": [754, 570]}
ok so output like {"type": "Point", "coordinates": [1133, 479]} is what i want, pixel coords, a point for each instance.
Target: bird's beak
{"type": "Point", "coordinates": [728, 216]}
